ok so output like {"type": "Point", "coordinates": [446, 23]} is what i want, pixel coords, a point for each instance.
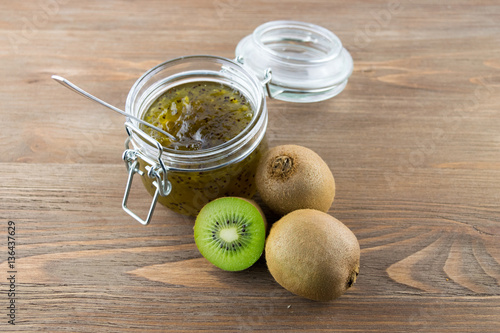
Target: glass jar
{"type": "Point", "coordinates": [185, 181]}
{"type": "Point", "coordinates": [288, 60]}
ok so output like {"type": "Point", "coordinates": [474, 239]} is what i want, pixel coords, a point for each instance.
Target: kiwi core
{"type": "Point", "coordinates": [229, 235]}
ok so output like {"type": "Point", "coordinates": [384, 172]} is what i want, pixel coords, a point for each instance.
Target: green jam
{"type": "Point", "coordinates": [202, 115]}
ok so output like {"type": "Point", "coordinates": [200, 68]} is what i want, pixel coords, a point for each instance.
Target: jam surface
{"type": "Point", "coordinates": [200, 115]}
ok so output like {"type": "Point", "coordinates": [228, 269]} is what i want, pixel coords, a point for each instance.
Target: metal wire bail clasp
{"type": "Point", "coordinates": [155, 168]}
{"type": "Point", "coordinates": [266, 81]}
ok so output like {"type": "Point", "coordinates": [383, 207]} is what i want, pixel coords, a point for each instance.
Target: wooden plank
{"type": "Point", "coordinates": [413, 143]}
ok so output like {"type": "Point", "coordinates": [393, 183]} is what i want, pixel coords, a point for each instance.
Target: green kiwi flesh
{"type": "Point", "coordinates": [230, 232]}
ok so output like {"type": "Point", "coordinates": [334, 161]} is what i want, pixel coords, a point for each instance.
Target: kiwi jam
{"type": "Point", "coordinates": [202, 115]}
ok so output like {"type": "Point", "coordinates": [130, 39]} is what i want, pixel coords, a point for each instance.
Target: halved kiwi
{"type": "Point", "coordinates": [230, 232]}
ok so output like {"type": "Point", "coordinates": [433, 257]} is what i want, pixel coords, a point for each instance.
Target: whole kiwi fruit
{"type": "Point", "coordinates": [312, 254]}
{"type": "Point", "coordinates": [230, 232]}
{"type": "Point", "coordinates": [291, 177]}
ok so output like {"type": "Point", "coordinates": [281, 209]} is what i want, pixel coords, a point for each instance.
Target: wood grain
{"type": "Point", "coordinates": [413, 143]}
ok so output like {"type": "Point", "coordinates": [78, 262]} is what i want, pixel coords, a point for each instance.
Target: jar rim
{"type": "Point", "coordinates": [332, 42]}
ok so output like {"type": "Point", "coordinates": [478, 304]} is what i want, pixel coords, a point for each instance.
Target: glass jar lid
{"type": "Point", "coordinates": [307, 62]}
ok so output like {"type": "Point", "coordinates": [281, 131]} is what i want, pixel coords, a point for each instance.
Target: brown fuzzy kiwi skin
{"type": "Point", "coordinates": [291, 177]}
{"type": "Point", "coordinates": [313, 255]}
{"type": "Point", "coordinates": [256, 205]}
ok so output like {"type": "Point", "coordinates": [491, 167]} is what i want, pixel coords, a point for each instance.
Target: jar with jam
{"type": "Point", "coordinates": [215, 110]}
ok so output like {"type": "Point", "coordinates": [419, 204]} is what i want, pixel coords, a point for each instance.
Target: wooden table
{"type": "Point", "coordinates": [413, 142]}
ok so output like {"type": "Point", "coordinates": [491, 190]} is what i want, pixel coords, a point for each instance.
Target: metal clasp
{"type": "Point", "coordinates": [155, 170]}
{"type": "Point", "coordinates": [267, 81]}
{"type": "Point", "coordinates": [267, 76]}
